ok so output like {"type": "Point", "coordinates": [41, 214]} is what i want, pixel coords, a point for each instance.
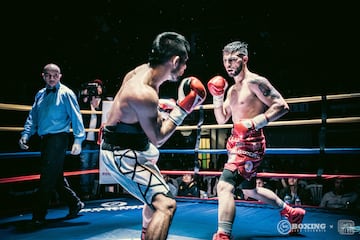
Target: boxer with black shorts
{"type": "Point", "coordinates": [252, 102]}
{"type": "Point", "coordinates": [135, 127]}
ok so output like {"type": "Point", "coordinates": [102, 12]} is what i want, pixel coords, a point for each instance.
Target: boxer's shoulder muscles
{"type": "Point", "coordinates": [266, 89]}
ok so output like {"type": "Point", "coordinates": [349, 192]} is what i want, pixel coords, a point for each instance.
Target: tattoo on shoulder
{"type": "Point", "coordinates": [266, 90]}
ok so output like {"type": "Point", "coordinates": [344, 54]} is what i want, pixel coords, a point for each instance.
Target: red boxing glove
{"type": "Point", "coordinates": [244, 127]}
{"type": "Point", "coordinates": [191, 93]}
{"type": "Point", "coordinates": [217, 86]}
{"type": "Point", "coordinates": [166, 105]}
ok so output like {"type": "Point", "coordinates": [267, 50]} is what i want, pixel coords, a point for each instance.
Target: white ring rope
{"type": "Point", "coordinates": [18, 107]}
{"type": "Point", "coordinates": [221, 126]}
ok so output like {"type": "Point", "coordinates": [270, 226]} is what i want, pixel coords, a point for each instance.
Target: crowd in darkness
{"type": "Point", "coordinates": [336, 193]}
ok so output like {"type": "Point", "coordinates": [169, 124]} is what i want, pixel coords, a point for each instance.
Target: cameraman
{"type": "Point", "coordinates": [91, 97]}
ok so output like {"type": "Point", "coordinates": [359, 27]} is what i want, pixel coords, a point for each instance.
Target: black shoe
{"type": "Point", "coordinates": [74, 211]}
{"type": "Point", "coordinates": [36, 224]}
{"type": "Point", "coordinates": [86, 197]}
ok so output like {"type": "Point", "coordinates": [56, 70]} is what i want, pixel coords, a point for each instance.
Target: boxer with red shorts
{"type": "Point", "coordinates": [245, 155]}
{"type": "Point", "coordinates": [251, 103]}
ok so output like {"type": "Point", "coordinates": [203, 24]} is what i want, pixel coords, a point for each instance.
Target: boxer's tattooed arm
{"type": "Point", "coordinates": [266, 90]}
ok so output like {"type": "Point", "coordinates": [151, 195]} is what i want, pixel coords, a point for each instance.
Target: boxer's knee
{"type": "Point", "coordinates": [224, 187]}
{"type": "Point", "coordinates": [164, 204]}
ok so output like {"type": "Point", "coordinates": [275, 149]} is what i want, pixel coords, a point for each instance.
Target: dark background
{"type": "Point", "coordinates": [303, 49]}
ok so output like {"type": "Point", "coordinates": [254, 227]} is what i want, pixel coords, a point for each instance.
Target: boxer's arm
{"type": "Point", "coordinates": [223, 114]}
{"type": "Point", "coordinates": [151, 120]}
{"type": "Point", "coordinates": [165, 106]}
{"type": "Point", "coordinates": [191, 93]}
{"type": "Point", "coordinates": [271, 97]}
{"type": "Point", "coordinates": [156, 128]}
{"type": "Point", "coordinates": [217, 87]}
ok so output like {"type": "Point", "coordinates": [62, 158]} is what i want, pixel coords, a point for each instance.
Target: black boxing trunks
{"type": "Point", "coordinates": [245, 154]}
{"type": "Point", "coordinates": [124, 136]}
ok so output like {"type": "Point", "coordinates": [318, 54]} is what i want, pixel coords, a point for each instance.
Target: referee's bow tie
{"type": "Point", "coordinates": [49, 90]}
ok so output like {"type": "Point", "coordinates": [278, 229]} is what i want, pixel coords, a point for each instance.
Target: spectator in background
{"type": "Point", "coordinates": [91, 97]}
{"type": "Point", "coordinates": [239, 194]}
{"type": "Point", "coordinates": [260, 183]}
{"type": "Point", "coordinates": [295, 193]}
{"type": "Point", "coordinates": [188, 186]}
{"type": "Point", "coordinates": [173, 184]}
{"type": "Point", "coordinates": [339, 197]}
{"type": "Point", "coordinates": [210, 183]}
{"type": "Point", "coordinates": [357, 190]}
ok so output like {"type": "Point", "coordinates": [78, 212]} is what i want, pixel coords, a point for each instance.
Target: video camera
{"type": "Point", "coordinates": [89, 89]}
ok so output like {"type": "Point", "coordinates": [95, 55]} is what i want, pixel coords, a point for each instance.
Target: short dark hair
{"type": "Point", "coordinates": [99, 82]}
{"type": "Point", "coordinates": [166, 45]}
{"type": "Point", "coordinates": [236, 46]}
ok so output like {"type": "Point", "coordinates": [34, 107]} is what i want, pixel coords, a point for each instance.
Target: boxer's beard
{"type": "Point", "coordinates": [237, 71]}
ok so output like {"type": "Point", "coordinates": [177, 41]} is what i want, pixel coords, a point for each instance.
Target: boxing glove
{"type": "Point", "coordinates": [166, 105]}
{"type": "Point", "coordinates": [191, 93]}
{"type": "Point", "coordinates": [244, 127]}
{"type": "Point", "coordinates": [217, 86]}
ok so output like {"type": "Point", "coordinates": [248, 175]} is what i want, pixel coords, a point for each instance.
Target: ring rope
{"type": "Point", "coordinates": [221, 126]}
{"type": "Point", "coordinates": [204, 173]}
{"type": "Point", "coordinates": [217, 151]}
{"type": "Point", "coordinates": [18, 107]}
{"type": "Point", "coordinates": [307, 99]}
{"type": "Point", "coordinates": [268, 151]}
{"type": "Point", "coordinates": [273, 151]}
{"type": "Point", "coordinates": [268, 174]}
{"type": "Point", "coordinates": [281, 123]}
{"type": "Point", "coordinates": [198, 139]}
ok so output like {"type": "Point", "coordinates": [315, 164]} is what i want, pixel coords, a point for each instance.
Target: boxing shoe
{"type": "Point", "coordinates": [73, 211]}
{"type": "Point", "coordinates": [294, 216]}
{"type": "Point", "coordinates": [221, 236]}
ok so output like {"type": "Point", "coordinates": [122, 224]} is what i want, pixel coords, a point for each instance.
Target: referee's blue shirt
{"type": "Point", "coordinates": [55, 112]}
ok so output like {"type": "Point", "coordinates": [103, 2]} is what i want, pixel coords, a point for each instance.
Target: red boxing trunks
{"type": "Point", "coordinates": [245, 154]}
